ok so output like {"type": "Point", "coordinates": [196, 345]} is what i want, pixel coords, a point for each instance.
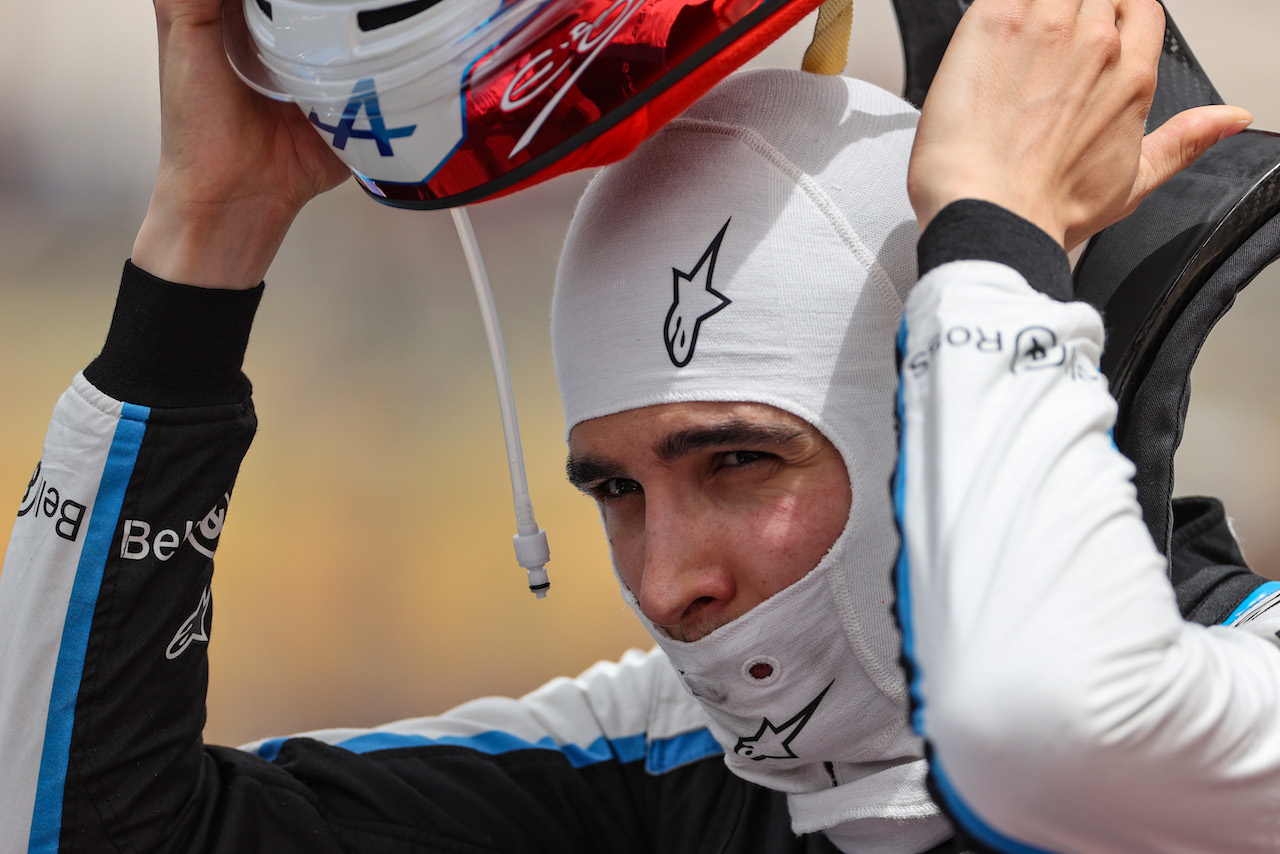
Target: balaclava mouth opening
{"type": "Point", "coordinates": [759, 248]}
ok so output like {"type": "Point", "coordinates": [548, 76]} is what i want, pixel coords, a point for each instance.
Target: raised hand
{"type": "Point", "coordinates": [235, 167]}
{"type": "Point", "coordinates": [1039, 106]}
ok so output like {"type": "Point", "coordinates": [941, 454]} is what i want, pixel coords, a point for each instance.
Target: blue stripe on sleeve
{"type": "Point", "coordinates": [902, 570]}
{"type": "Point", "coordinates": [1264, 591]}
{"type": "Point", "coordinates": [492, 743]}
{"type": "Point", "coordinates": [46, 825]}
{"type": "Point", "coordinates": [270, 749]}
{"type": "Point", "coordinates": [670, 753]}
{"type": "Point", "coordinates": [660, 755]}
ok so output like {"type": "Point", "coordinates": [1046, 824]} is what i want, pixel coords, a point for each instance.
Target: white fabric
{"type": "Point", "coordinates": [1069, 706]}
{"type": "Point", "coordinates": [40, 566]}
{"type": "Point", "coordinates": [759, 249]}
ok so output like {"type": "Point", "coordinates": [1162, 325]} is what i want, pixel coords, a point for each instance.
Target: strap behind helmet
{"type": "Point", "coordinates": [828, 53]}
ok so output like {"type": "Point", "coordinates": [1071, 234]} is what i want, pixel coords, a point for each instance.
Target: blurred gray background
{"type": "Point", "coordinates": [366, 571]}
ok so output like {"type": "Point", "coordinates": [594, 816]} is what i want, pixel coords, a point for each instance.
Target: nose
{"type": "Point", "coordinates": [688, 585]}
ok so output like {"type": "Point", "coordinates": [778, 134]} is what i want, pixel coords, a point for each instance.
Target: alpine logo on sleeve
{"type": "Point", "coordinates": [1037, 347]}
{"type": "Point", "coordinates": [695, 300]}
{"type": "Point", "coordinates": [194, 628]}
{"type": "Point", "coordinates": [772, 741]}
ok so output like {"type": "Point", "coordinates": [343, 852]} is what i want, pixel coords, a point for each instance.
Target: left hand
{"type": "Point", "coordinates": [1039, 106]}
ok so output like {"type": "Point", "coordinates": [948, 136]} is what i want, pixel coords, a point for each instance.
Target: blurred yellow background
{"type": "Point", "coordinates": [366, 570]}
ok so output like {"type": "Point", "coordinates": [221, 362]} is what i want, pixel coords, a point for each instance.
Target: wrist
{"type": "Point", "coordinates": [934, 182]}
{"type": "Point", "coordinates": [227, 245]}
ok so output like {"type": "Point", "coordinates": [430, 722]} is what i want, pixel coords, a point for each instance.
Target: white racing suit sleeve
{"type": "Point", "coordinates": [1067, 705]}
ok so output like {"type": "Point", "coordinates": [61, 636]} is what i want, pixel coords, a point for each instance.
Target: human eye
{"type": "Point", "coordinates": [738, 459]}
{"type": "Point", "coordinates": [613, 488]}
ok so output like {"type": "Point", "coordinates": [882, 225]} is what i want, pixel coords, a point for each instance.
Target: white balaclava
{"type": "Point", "coordinates": [759, 248]}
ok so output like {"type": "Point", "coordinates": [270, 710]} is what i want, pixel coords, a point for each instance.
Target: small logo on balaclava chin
{"type": "Point", "coordinates": [774, 742]}
{"type": "Point", "coordinates": [695, 301]}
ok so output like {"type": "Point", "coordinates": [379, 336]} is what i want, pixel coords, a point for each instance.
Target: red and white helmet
{"type": "Point", "coordinates": [438, 103]}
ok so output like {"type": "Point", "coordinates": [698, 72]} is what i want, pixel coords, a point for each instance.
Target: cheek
{"type": "Point", "coordinates": [794, 535]}
{"type": "Point", "coordinates": [834, 503]}
{"type": "Point", "coordinates": [626, 548]}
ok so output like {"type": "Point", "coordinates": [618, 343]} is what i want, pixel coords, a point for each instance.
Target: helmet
{"type": "Point", "coordinates": [439, 103]}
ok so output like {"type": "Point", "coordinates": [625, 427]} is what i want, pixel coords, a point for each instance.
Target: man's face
{"type": "Point", "coordinates": [710, 508]}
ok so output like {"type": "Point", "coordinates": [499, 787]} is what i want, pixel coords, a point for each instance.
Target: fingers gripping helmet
{"type": "Point", "coordinates": [439, 103]}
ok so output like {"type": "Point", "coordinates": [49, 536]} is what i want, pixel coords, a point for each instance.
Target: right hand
{"type": "Point", "coordinates": [235, 166]}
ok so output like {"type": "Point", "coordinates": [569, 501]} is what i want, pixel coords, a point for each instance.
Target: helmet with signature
{"type": "Point", "coordinates": [438, 103]}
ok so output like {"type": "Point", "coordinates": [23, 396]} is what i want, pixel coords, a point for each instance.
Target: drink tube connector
{"type": "Point", "coordinates": [532, 550]}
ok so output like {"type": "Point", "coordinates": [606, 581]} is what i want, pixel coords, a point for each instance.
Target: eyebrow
{"type": "Point", "coordinates": [683, 442]}
{"type": "Point", "coordinates": [585, 470]}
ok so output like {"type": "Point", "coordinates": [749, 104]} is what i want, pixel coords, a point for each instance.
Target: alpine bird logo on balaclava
{"type": "Point", "coordinates": [695, 301]}
{"type": "Point", "coordinates": [774, 742]}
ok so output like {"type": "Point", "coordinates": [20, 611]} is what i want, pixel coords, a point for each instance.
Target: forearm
{"type": "Point", "coordinates": [212, 245]}
{"type": "Point", "coordinates": [103, 599]}
{"type": "Point", "coordinates": [1067, 703]}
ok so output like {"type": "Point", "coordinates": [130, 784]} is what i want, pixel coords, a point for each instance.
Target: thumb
{"type": "Point", "coordinates": [1179, 142]}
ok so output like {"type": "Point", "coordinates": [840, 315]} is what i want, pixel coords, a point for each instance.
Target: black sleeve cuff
{"type": "Point", "coordinates": [174, 345]}
{"type": "Point", "coordinates": [973, 230]}
{"type": "Point", "coordinates": [1208, 569]}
